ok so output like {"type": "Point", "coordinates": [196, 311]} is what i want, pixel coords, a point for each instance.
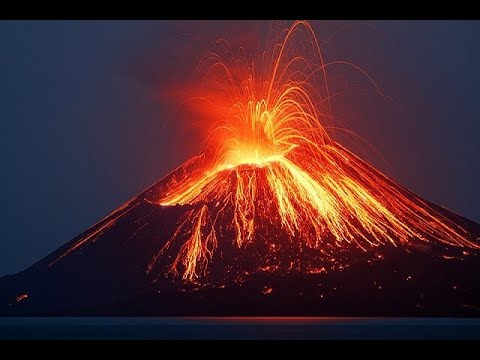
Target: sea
{"type": "Point", "coordinates": [280, 328]}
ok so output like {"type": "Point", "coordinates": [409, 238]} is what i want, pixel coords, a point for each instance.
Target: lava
{"type": "Point", "coordinates": [271, 174]}
{"type": "Point", "coordinates": [269, 156]}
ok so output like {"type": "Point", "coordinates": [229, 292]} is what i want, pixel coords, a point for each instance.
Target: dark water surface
{"type": "Point", "coordinates": [238, 328]}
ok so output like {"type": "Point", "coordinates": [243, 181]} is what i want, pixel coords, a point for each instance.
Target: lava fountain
{"type": "Point", "coordinates": [271, 190]}
{"type": "Point", "coordinates": [268, 158]}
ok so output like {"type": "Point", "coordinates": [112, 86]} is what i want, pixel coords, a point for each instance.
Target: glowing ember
{"type": "Point", "coordinates": [269, 158]}
{"type": "Point", "coordinates": [22, 297]}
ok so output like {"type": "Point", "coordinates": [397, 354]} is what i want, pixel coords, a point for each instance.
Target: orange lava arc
{"type": "Point", "coordinates": [268, 155]}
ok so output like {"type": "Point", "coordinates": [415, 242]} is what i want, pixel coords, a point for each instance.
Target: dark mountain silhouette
{"type": "Point", "coordinates": [103, 271]}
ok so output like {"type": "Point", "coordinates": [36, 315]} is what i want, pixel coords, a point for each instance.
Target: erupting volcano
{"type": "Point", "coordinates": [272, 198]}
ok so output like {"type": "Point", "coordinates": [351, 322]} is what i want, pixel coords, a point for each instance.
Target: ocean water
{"type": "Point", "coordinates": [238, 328]}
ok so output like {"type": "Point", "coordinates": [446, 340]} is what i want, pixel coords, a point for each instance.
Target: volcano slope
{"type": "Point", "coordinates": [125, 266]}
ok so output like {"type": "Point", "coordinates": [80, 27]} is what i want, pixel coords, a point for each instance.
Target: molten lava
{"type": "Point", "coordinates": [269, 158]}
{"type": "Point", "coordinates": [272, 182]}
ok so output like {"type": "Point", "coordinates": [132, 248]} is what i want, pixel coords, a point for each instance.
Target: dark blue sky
{"type": "Point", "coordinates": [85, 124]}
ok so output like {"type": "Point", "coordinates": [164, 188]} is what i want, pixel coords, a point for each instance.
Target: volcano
{"type": "Point", "coordinates": [273, 217]}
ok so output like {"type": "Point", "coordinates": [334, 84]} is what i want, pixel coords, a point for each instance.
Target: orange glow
{"type": "Point", "coordinates": [268, 155]}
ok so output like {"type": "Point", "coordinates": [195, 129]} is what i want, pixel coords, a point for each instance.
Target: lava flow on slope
{"type": "Point", "coordinates": [270, 161]}
{"type": "Point", "coordinates": [269, 166]}
{"type": "Point", "coordinates": [271, 192]}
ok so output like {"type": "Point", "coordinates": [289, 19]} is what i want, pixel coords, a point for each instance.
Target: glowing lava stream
{"type": "Point", "coordinates": [268, 155]}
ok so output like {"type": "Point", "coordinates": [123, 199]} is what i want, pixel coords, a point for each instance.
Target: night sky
{"type": "Point", "coordinates": [87, 121]}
